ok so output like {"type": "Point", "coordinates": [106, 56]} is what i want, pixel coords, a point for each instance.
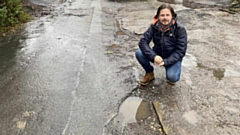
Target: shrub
{"type": "Point", "coordinates": [11, 14]}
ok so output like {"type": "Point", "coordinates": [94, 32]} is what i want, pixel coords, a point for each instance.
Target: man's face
{"type": "Point", "coordinates": [165, 16]}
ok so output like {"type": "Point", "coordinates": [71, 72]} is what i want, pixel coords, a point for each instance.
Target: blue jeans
{"type": "Point", "coordinates": [172, 72]}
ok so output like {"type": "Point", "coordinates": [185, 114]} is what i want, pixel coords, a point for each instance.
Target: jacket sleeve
{"type": "Point", "coordinates": [144, 44]}
{"type": "Point", "coordinates": [181, 47]}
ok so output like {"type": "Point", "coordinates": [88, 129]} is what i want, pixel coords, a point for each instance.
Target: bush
{"type": "Point", "coordinates": [235, 4]}
{"type": "Point", "coordinates": [11, 14]}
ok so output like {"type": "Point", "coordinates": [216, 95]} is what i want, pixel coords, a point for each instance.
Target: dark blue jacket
{"type": "Point", "coordinates": [171, 45]}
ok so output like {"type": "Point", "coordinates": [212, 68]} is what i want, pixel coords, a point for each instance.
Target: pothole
{"type": "Point", "coordinates": [133, 109]}
{"type": "Point", "coordinates": [119, 32]}
{"type": "Point", "coordinates": [217, 73]}
{"type": "Point", "coordinates": [136, 116]}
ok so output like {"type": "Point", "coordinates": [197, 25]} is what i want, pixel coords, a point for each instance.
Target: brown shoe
{"type": "Point", "coordinates": [147, 78]}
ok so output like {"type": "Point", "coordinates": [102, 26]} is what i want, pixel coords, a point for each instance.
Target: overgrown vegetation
{"type": "Point", "coordinates": [11, 14]}
{"type": "Point", "coordinates": [235, 4]}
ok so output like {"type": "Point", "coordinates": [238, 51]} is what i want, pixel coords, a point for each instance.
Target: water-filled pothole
{"type": "Point", "coordinates": [134, 109]}
{"type": "Point", "coordinates": [219, 73]}
{"type": "Point", "coordinates": [135, 115]}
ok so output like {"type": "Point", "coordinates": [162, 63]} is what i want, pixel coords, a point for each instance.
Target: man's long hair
{"type": "Point", "coordinates": [164, 6]}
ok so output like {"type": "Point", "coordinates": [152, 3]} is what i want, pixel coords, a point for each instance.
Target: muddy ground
{"type": "Point", "coordinates": [206, 99]}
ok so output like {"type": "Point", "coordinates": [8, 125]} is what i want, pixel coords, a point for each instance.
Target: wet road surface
{"type": "Point", "coordinates": [74, 72]}
{"type": "Point", "coordinates": [55, 75]}
{"type": "Point", "coordinates": [46, 2]}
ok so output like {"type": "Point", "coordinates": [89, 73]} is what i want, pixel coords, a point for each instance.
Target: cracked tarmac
{"type": "Point", "coordinates": [210, 79]}
{"type": "Point", "coordinates": [59, 80]}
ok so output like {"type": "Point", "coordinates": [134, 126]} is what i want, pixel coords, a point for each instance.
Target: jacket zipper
{"type": "Point", "coordinates": [162, 38]}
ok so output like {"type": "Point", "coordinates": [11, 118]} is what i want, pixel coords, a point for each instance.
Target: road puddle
{"type": "Point", "coordinates": [134, 109]}
{"type": "Point", "coordinates": [219, 73]}
{"type": "Point", "coordinates": [190, 62]}
{"type": "Point", "coordinates": [11, 45]}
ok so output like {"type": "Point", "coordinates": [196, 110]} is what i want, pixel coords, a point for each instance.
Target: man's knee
{"type": "Point", "coordinates": [139, 54]}
{"type": "Point", "coordinates": [173, 77]}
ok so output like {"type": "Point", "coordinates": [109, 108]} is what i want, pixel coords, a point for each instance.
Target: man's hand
{"type": "Point", "coordinates": [162, 63]}
{"type": "Point", "coordinates": [158, 60]}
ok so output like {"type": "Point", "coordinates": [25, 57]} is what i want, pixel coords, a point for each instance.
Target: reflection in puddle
{"type": "Point", "coordinates": [144, 111]}
{"type": "Point", "coordinates": [132, 112]}
{"type": "Point", "coordinates": [134, 109]}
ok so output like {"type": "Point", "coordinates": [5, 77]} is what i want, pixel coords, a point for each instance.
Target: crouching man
{"type": "Point", "coordinates": [170, 45]}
